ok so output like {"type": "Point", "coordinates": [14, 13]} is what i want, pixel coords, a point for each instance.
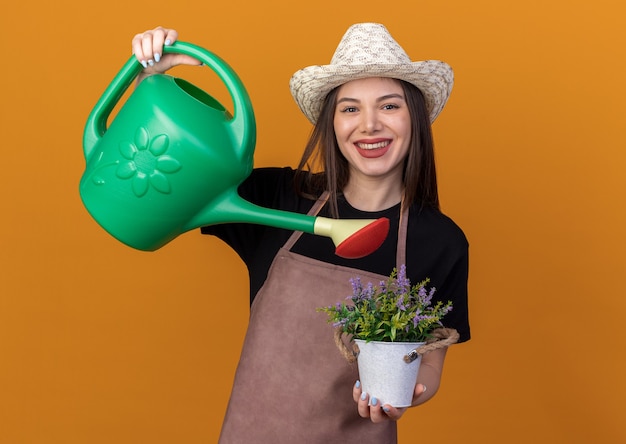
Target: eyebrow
{"type": "Point", "coordinates": [380, 99]}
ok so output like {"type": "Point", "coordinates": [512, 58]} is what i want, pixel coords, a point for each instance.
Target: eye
{"type": "Point", "coordinates": [349, 109]}
{"type": "Point", "coordinates": [390, 106]}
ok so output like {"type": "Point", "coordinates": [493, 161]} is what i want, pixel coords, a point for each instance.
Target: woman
{"type": "Point", "coordinates": [371, 108]}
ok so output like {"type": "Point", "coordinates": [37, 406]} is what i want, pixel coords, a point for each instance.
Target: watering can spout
{"type": "Point", "coordinates": [353, 238]}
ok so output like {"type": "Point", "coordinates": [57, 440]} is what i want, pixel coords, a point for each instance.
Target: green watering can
{"type": "Point", "coordinates": [173, 157]}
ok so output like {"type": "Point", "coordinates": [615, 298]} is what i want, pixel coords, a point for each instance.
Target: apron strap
{"type": "Point", "coordinates": [402, 228]}
{"type": "Point", "coordinates": [321, 201]}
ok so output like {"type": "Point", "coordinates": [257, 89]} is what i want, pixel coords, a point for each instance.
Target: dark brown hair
{"type": "Point", "coordinates": [323, 167]}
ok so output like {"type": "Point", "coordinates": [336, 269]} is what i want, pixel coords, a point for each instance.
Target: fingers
{"type": "Point", "coordinates": [393, 413]}
{"type": "Point", "coordinates": [376, 412]}
{"type": "Point", "coordinates": [362, 400]}
{"type": "Point", "coordinates": [420, 389]}
{"type": "Point", "coordinates": [148, 46]}
{"type": "Point", "coordinates": [356, 391]}
{"type": "Point", "coordinates": [372, 408]}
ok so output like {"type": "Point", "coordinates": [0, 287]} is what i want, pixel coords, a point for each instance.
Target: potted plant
{"type": "Point", "coordinates": [391, 325]}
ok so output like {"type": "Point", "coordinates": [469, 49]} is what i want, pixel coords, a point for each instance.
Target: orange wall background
{"type": "Point", "coordinates": [100, 343]}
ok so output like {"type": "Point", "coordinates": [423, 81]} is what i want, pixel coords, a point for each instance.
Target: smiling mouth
{"type": "Point", "coordinates": [373, 146]}
{"type": "Point", "coordinates": [373, 150]}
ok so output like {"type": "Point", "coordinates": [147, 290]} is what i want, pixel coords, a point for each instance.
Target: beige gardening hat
{"type": "Point", "coordinates": [368, 50]}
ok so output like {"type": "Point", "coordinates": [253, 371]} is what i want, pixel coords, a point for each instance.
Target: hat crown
{"type": "Point", "coordinates": [369, 50]}
{"type": "Point", "coordinates": [369, 44]}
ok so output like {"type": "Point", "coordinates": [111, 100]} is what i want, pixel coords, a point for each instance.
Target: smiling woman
{"type": "Point", "coordinates": [371, 109]}
{"type": "Point", "coordinates": [101, 343]}
{"type": "Point", "coordinates": [419, 173]}
{"type": "Point", "coordinates": [373, 129]}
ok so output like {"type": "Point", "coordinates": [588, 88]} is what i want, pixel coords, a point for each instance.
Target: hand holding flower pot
{"type": "Point", "coordinates": [392, 325]}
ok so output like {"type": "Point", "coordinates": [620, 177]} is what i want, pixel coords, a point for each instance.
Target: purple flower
{"type": "Point", "coordinates": [400, 304]}
{"type": "Point", "coordinates": [383, 286]}
{"type": "Point", "coordinates": [419, 318]}
{"type": "Point", "coordinates": [424, 296]}
{"type": "Point", "coordinates": [404, 285]}
{"type": "Point", "coordinates": [357, 287]}
{"type": "Point", "coordinates": [430, 295]}
{"type": "Point", "coordinates": [368, 293]}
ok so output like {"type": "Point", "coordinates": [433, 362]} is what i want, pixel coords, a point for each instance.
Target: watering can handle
{"type": "Point", "coordinates": [243, 123]}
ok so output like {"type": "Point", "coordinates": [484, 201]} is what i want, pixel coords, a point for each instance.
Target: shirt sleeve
{"type": "Point", "coordinates": [437, 249]}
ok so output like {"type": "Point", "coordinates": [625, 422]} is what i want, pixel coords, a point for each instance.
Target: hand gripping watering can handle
{"type": "Point", "coordinates": [243, 123]}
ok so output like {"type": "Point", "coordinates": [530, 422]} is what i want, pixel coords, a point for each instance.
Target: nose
{"type": "Point", "coordinates": [370, 122]}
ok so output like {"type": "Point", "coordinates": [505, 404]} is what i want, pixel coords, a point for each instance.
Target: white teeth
{"type": "Point", "coordinates": [373, 146]}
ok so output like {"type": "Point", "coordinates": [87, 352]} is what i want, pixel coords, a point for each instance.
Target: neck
{"type": "Point", "coordinates": [368, 194]}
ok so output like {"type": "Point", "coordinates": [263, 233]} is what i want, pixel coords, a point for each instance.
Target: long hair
{"type": "Point", "coordinates": [323, 167]}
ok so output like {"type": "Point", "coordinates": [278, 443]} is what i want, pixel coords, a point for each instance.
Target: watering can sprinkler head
{"type": "Point", "coordinates": [353, 238]}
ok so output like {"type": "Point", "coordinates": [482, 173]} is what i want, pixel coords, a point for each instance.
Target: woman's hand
{"type": "Point", "coordinates": [377, 412]}
{"type": "Point", "coordinates": [430, 371]}
{"type": "Point", "coordinates": [148, 48]}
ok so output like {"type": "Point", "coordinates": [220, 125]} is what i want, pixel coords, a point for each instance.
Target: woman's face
{"type": "Point", "coordinates": [373, 127]}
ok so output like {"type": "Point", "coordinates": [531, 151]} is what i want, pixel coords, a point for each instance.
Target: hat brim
{"type": "Point", "coordinates": [309, 86]}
